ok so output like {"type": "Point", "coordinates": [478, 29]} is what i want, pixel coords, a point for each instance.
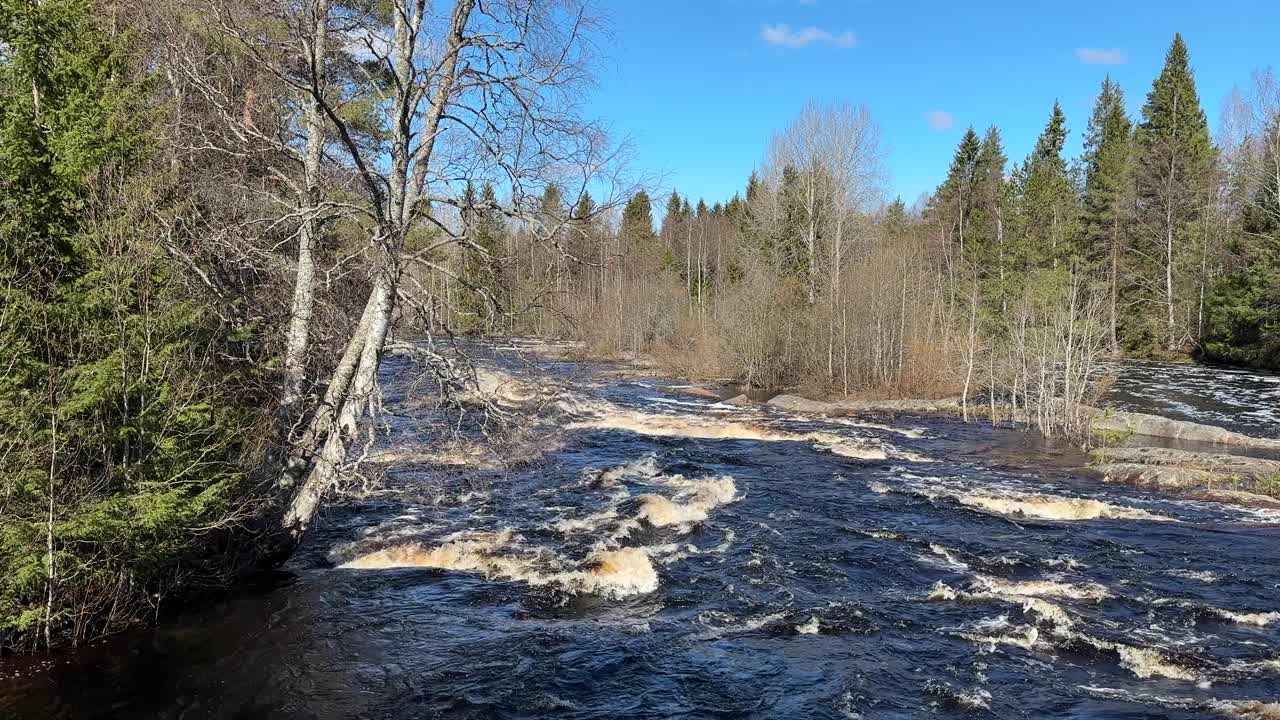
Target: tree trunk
{"type": "Point", "coordinates": [324, 470]}
{"type": "Point", "coordinates": [1113, 320]}
{"type": "Point", "coordinates": [295, 358]}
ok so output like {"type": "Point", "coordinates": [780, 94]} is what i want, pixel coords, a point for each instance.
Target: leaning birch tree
{"type": "Point", "coordinates": [380, 115]}
{"type": "Point", "coordinates": [486, 90]}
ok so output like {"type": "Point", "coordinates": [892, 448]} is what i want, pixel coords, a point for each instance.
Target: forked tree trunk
{"type": "Point", "coordinates": [329, 460]}
{"type": "Point", "coordinates": [354, 380]}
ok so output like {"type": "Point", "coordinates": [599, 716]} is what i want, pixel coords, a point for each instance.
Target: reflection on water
{"type": "Point", "coordinates": [749, 572]}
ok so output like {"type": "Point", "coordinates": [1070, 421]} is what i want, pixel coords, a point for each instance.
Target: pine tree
{"type": "Point", "coordinates": [1173, 179]}
{"type": "Point", "coordinates": [1108, 196]}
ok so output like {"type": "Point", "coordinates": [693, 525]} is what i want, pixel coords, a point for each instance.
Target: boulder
{"type": "Point", "coordinates": [739, 401]}
{"type": "Point", "coordinates": [795, 403]}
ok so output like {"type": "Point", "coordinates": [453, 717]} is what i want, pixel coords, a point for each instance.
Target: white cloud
{"type": "Point", "coordinates": [783, 36]}
{"type": "Point", "coordinates": [939, 120]}
{"type": "Point", "coordinates": [1101, 56]}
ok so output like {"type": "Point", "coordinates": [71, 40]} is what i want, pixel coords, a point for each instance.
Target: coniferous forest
{"type": "Point", "coordinates": [216, 217]}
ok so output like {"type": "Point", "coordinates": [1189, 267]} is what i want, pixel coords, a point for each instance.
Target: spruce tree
{"type": "Point", "coordinates": [637, 222]}
{"type": "Point", "coordinates": [1048, 202]}
{"type": "Point", "coordinates": [672, 232]}
{"type": "Point", "coordinates": [587, 245]}
{"type": "Point", "coordinates": [483, 297]}
{"type": "Point", "coordinates": [1108, 197]}
{"type": "Point", "coordinates": [956, 197]}
{"type": "Point", "coordinates": [1244, 307]}
{"type": "Point", "coordinates": [787, 249]}
{"type": "Point", "coordinates": [119, 413]}
{"type": "Point", "coordinates": [671, 219]}
{"type": "Point", "coordinates": [987, 245]}
{"type": "Point", "coordinates": [952, 205]}
{"type": "Point", "coordinates": [895, 220]}
{"type": "Point", "coordinates": [1173, 179]}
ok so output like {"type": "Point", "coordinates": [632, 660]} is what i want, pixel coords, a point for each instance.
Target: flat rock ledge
{"type": "Point", "coordinates": [1238, 466]}
{"type": "Point", "coordinates": [1131, 423]}
{"type": "Point", "coordinates": [795, 403]}
{"type": "Point", "coordinates": [1209, 476]}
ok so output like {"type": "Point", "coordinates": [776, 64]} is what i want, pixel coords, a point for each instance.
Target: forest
{"type": "Point", "coordinates": [217, 216]}
{"type": "Point", "coordinates": [1167, 236]}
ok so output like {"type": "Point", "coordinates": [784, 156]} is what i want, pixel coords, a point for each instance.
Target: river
{"type": "Point", "coordinates": [675, 557]}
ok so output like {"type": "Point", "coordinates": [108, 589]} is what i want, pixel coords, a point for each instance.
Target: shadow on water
{"type": "Point", "coordinates": [971, 572]}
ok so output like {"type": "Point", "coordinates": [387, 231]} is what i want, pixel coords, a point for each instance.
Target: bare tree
{"type": "Point", "coordinates": [1250, 136]}
{"type": "Point", "coordinates": [837, 149]}
{"type": "Point", "coordinates": [490, 90]}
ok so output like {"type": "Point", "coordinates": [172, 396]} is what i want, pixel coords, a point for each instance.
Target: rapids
{"type": "Point", "coordinates": [1244, 401]}
{"type": "Point", "coordinates": [673, 557]}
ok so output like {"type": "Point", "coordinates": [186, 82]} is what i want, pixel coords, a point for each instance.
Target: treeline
{"type": "Point", "coordinates": [799, 278]}
{"type": "Point", "coordinates": [1010, 280]}
{"type": "Point", "coordinates": [1180, 232]}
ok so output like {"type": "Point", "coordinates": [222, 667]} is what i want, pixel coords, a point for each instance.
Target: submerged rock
{"type": "Point", "coordinates": [689, 391]}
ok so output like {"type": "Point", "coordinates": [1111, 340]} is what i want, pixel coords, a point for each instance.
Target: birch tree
{"type": "Point", "coordinates": [377, 116]}
{"type": "Point", "coordinates": [487, 89]}
{"type": "Point", "coordinates": [837, 151]}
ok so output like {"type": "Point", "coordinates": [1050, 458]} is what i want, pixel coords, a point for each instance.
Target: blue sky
{"type": "Point", "coordinates": [700, 85]}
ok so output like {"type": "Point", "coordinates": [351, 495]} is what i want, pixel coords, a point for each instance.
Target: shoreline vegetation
{"type": "Point", "coordinates": [216, 222]}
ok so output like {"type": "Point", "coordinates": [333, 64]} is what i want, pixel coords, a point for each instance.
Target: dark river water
{"type": "Point", "coordinates": [673, 557]}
